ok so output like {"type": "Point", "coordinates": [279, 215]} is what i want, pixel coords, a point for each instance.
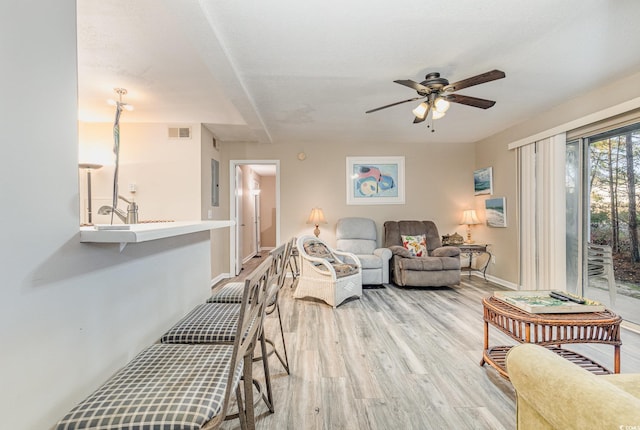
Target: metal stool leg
{"type": "Point", "coordinates": [267, 375]}
{"type": "Point", "coordinates": [285, 362]}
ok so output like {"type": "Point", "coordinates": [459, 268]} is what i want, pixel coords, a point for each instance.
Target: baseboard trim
{"type": "Point", "coordinates": [219, 278]}
{"type": "Point", "coordinates": [493, 279]}
{"type": "Point", "coordinates": [630, 326]}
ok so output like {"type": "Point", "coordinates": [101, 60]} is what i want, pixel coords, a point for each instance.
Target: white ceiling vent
{"type": "Point", "coordinates": [179, 132]}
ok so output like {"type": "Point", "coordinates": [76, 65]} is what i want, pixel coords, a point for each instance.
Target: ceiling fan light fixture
{"type": "Point", "coordinates": [441, 105]}
{"type": "Point", "coordinates": [437, 114]}
{"type": "Point", "coordinates": [421, 110]}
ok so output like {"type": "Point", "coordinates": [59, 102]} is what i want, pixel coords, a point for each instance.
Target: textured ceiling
{"type": "Point", "coordinates": [306, 71]}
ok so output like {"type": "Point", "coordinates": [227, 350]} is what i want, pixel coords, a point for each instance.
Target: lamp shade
{"type": "Point", "coordinates": [421, 110]}
{"type": "Point", "coordinates": [441, 105]}
{"type": "Point", "coordinates": [469, 217]}
{"type": "Point", "coordinates": [437, 115]}
{"type": "Point", "coordinates": [316, 217]}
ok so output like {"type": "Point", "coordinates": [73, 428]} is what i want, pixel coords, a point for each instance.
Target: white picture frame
{"type": "Point", "coordinates": [375, 180]}
{"type": "Point", "coordinates": [496, 212]}
{"type": "Point", "coordinates": [483, 181]}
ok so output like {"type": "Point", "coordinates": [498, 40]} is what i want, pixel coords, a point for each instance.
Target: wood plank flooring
{"type": "Point", "coordinates": [398, 358]}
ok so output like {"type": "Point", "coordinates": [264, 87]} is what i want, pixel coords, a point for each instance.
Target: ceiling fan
{"type": "Point", "coordinates": [438, 92]}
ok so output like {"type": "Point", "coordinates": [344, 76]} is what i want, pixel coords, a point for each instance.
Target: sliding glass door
{"type": "Point", "coordinates": [573, 178]}
{"type": "Point", "coordinates": [602, 187]}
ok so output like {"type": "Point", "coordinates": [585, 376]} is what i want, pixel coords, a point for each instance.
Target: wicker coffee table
{"type": "Point", "coordinates": [550, 330]}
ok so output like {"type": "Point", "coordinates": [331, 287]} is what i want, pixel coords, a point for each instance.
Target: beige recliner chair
{"type": "Point", "coordinates": [359, 236]}
{"type": "Point", "coordinates": [439, 267]}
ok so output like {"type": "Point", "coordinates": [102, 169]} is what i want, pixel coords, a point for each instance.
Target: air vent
{"type": "Point", "coordinates": [179, 132]}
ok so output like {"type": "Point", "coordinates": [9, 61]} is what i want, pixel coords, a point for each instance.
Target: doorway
{"type": "Point", "coordinates": [251, 191]}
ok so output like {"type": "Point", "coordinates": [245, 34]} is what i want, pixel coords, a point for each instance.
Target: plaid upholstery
{"type": "Point", "coordinates": [228, 293]}
{"type": "Point", "coordinates": [232, 293]}
{"type": "Point", "coordinates": [166, 387]}
{"type": "Point", "coordinates": [207, 323]}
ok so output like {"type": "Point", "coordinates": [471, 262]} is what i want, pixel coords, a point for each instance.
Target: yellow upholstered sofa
{"type": "Point", "coordinates": [553, 393]}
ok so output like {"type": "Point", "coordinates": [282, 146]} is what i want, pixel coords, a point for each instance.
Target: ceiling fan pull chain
{"type": "Point", "coordinates": [430, 122]}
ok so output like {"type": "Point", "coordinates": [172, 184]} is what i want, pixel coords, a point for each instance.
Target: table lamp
{"type": "Point", "coordinates": [469, 218]}
{"type": "Point", "coordinates": [316, 218]}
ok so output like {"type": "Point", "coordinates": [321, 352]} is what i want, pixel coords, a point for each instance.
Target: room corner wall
{"type": "Point", "coordinates": [219, 237]}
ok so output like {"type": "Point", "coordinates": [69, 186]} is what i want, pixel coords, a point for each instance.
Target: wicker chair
{"type": "Point", "coordinates": [325, 275]}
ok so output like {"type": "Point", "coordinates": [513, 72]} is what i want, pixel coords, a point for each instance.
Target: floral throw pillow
{"type": "Point", "coordinates": [416, 245]}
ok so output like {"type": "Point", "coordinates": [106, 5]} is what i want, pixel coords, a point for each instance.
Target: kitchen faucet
{"type": "Point", "coordinates": [130, 217]}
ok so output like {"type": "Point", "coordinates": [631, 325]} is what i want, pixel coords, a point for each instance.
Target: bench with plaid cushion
{"type": "Point", "coordinates": [207, 323]}
{"type": "Point", "coordinates": [166, 387]}
{"type": "Point", "coordinates": [229, 293]}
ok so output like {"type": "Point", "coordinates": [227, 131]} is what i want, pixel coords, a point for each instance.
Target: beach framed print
{"type": "Point", "coordinates": [375, 180]}
{"type": "Point", "coordinates": [496, 212]}
{"type": "Point", "coordinates": [483, 181]}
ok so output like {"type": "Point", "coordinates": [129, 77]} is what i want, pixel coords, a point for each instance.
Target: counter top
{"type": "Point", "coordinates": [148, 231]}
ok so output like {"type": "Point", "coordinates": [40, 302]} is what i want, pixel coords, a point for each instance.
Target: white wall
{"type": "Point", "coordinates": [439, 183]}
{"type": "Point", "coordinates": [219, 237]}
{"type": "Point", "coordinates": [71, 313]}
{"type": "Point", "coordinates": [166, 172]}
{"type": "Point", "coordinates": [268, 212]}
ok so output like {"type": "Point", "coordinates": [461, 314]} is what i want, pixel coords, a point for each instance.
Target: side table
{"type": "Point", "coordinates": [551, 331]}
{"type": "Point", "coordinates": [472, 250]}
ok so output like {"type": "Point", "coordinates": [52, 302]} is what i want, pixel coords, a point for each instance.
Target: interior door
{"type": "Point", "coordinates": [238, 219]}
{"type": "Point", "coordinates": [256, 222]}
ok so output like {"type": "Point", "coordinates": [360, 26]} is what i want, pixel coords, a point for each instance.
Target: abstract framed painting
{"type": "Point", "coordinates": [375, 180]}
{"type": "Point", "coordinates": [496, 212]}
{"type": "Point", "coordinates": [483, 181]}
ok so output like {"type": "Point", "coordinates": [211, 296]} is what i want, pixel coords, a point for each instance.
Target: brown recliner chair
{"type": "Point", "coordinates": [441, 267]}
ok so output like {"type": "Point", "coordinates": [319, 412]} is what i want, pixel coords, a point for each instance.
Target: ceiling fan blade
{"type": "Point", "coordinates": [470, 101]}
{"type": "Point", "coordinates": [476, 80]}
{"type": "Point", "coordinates": [394, 104]}
{"type": "Point", "coordinates": [415, 85]}
{"type": "Point", "coordinates": [417, 119]}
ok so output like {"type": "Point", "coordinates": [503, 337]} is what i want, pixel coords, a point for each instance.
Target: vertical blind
{"type": "Point", "coordinates": [541, 201]}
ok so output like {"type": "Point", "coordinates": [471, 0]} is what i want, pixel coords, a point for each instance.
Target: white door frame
{"type": "Point", "coordinates": [256, 222]}
{"type": "Point", "coordinates": [238, 210]}
{"type": "Point", "coordinates": [232, 205]}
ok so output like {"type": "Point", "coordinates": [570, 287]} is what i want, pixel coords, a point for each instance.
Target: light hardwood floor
{"type": "Point", "coordinates": [398, 358]}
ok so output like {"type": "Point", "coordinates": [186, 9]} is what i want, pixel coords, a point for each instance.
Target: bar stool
{"type": "Point", "coordinates": [173, 386]}
{"type": "Point", "coordinates": [232, 293]}
{"type": "Point", "coordinates": [217, 323]}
